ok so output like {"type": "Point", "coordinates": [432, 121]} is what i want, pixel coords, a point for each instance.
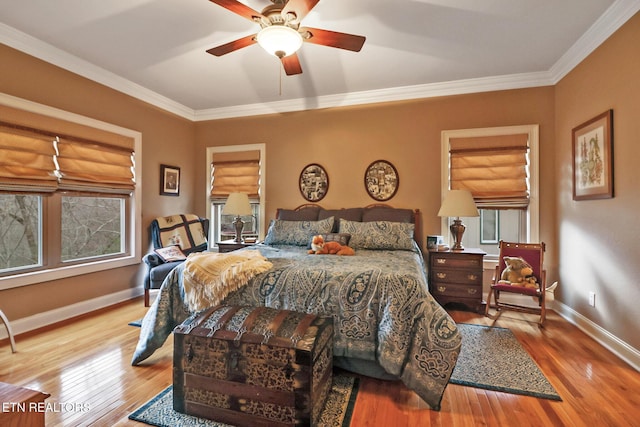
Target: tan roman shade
{"type": "Point", "coordinates": [493, 168]}
{"type": "Point", "coordinates": [94, 167]}
{"type": "Point", "coordinates": [41, 161]}
{"type": "Point", "coordinates": [235, 172]}
{"type": "Point", "coordinates": [26, 161]}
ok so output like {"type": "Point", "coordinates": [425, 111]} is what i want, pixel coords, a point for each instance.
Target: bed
{"type": "Point", "coordinates": [386, 323]}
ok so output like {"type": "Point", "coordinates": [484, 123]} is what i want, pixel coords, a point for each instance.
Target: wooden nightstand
{"type": "Point", "coordinates": [232, 245]}
{"type": "Point", "coordinates": [456, 277]}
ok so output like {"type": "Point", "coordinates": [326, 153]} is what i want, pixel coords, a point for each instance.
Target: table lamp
{"type": "Point", "coordinates": [458, 203]}
{"type": "Point", "coordinates": [237, 204]}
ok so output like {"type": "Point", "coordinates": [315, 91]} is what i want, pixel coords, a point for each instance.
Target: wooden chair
{"type": "Point", "coordinates": [533, 254]}
{"type": "Point", "coordinates": [4, 320]}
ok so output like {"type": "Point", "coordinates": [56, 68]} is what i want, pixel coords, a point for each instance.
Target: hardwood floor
{"type": "Point", "coordinates": [85, 366]}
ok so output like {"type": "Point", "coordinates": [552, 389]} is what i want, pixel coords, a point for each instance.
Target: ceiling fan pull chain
{"type": "Point", "coordinates": [280, 68]}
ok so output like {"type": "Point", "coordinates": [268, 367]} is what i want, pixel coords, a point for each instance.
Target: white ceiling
{"type": "Point", "coordinates": [155, 49]}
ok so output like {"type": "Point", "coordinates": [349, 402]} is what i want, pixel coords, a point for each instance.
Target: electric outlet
{"type": "Point", "coordinates": [592, 299]}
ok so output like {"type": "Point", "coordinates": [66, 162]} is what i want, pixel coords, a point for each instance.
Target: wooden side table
{"type": "Point", "coordinates": [231, 245]}
{"type": "Point", "coordinates": [21, 407]}
{"type": "Point", "coordinates": [456, 277]}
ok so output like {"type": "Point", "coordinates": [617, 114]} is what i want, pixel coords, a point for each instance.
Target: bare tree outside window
{"type": "Point", "coordinates": [20, 231]}
{"type": "Point", "coordinates": [91, 226]}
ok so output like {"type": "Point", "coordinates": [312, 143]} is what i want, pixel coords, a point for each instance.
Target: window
{"type": "Point", "coordinates": [92, 227]}
{"type": "Point", "coordinates": [21, 232]}
{"type": "Point", "coordinates": [68, 200]}
{"type": "Point", "coordinates": [500, 167]}
{"type": "Point", "coordinates": [236, 168]}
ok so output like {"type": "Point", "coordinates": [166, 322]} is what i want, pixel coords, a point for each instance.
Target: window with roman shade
{"type": "Point", "coordinates": [69, 204]}
{"type": "Point", "coordinates": [94, 166]}
{"type": "Point", "coordinates": [493, 168]}
{"type": "Point", "coordinates": [235, 172]}
{"type": "Point", "coordinates": [38, 161]}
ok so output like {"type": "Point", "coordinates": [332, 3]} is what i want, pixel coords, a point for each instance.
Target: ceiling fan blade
{"type": "Point", "coordinates": [239, 8]}
{"type": "Point", "coordinates": [333, 39]}
{"type": "Point", "coordinates": [299, 7]}
{"type": "Point", "coordinates": [232, 46]}
{"type": "Point", "coordinates": [291, 64]}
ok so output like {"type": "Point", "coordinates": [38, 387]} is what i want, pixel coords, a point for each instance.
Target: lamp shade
{"type": "Point", "coordinates": [237, 204]}
{"type": "Point", "coordinates": [279, 40]}
{"type": "Point", "coordinates": [458, 203]}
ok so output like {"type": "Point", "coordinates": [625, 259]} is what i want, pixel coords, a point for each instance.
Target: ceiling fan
{"type": "Point", "coordinates": [281, 34]}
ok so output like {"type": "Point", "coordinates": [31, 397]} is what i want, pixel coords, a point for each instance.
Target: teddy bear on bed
{"type": "Point", "coordinates": [518, 273]}
{"type": "Point", "coordinates": [320, 247]}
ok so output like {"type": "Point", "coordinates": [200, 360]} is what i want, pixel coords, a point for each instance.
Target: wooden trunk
{"type": "Point", "coordinates": [253, 366]}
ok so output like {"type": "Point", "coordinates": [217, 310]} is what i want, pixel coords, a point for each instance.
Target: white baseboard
{"type": "Point", "coordinates": [47, 318]}
{"type": "Point", "coordinates": [614, 344]}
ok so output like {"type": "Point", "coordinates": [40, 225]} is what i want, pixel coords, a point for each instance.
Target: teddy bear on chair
{"type": "Point", "coordinates": [518, 273]}
{"type": "Point", "coordinates": [320, 247]}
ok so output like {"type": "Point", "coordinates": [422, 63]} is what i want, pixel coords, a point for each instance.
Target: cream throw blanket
{"type": "Point", "coordinates": [208, 277]}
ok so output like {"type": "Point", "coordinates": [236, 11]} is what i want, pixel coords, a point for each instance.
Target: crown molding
{"type": "Point", "coordinates": [610, 21]}
{"type": "Point", "coordinates": [614, 17]}
{"type": "Point", "coordinates": [405, 93]}
{"type": "Point", "coordinates": [58, 57]}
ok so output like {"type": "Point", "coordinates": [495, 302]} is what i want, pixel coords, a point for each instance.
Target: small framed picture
{"type": "Point", "coordinates": [169, 180]}
{"type": "Point", "coordinates": [314, 182]}
{"type": "Point", "coordinates": [593, 158]}
{"type": "Point", "coordinates": [381, 180]}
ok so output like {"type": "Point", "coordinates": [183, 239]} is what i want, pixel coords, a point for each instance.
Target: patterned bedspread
{"type": "Point", "coordinates": [378, 299]}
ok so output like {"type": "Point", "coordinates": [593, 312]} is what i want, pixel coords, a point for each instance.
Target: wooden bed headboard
{"type": "Point", "coordinates": [416, 219]}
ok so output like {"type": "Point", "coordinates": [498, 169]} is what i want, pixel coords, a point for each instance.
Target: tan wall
{"type": "Point", "coordinates": [346, 140]}
{"type": "Point", "coordinates": [591, 244]}
{"type": "Point", "coordinates": [599, 238]}
{"type": "Point", "coordinates": [166, 139]}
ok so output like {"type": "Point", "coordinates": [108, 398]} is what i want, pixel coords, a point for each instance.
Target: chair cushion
{"type": "Point", "coordinates": [158, 274]}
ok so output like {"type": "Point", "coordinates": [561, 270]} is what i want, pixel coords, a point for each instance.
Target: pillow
{"type": "Point", "coordinates": [379, 234]}
{"type": "Point", "coordinates": [350, 214]}
{"type": "Point", "coordinates": [381, 213]}
{"type": "Point", "coordinates": [171, 253]}
{"type": "Point", "coordinates": [307, 213]}
{"type": "Point", "coordinates": [297, 233]}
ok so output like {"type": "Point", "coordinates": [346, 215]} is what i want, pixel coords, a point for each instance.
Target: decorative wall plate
{"type": "Point", "coordinates": [381, 180]}
{"type": "Point", "coordinates": [314, 182]}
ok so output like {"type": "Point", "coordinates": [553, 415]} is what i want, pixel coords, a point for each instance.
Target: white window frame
{"type": "Point", "coordinates": [533, 211]}
{"type": "Point", "coordinates": [133, 255]}
{"type": "Point", "coordinates": [263, 173]}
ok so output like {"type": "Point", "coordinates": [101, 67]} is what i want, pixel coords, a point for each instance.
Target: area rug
{"type": "Point", "coordinates": [492, 358]}
{"type": "Point", "coordinates": [337, 411]}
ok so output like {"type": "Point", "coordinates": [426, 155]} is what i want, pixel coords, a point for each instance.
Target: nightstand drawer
{"type": "Point", "coordinates": [448, 261]}
{"type": "Point", "coordinates": [454, 290]}
{"type": "Point", "coordinates": [458, 276]}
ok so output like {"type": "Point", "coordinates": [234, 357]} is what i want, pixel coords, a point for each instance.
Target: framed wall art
{"type": "Point", "coordinates": [169, 180]}
{"type": "Point", "coordinates": [381, 180]}
{"type": "Point", "coordinates": [314, 182]}
{"type": "Point", "coordinates": [593, 158]}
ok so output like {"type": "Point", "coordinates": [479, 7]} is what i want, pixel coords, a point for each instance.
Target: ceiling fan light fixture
{"type": "Point", "coordinates": [279, 40]}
